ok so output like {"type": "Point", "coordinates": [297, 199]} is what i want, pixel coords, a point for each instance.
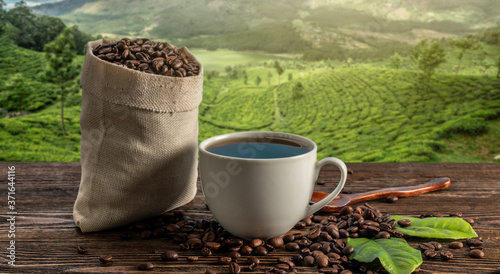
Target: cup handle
{"type": "Point", "coordinates": [343, 176]}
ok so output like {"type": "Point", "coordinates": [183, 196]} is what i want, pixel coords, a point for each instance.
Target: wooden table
{"type": "Point", "coordinates": [46, 237]}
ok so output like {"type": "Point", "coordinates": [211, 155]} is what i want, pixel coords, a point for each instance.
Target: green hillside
{"type": "Point", "coordinates": [360, 114]}
{"type": "Point", "coordinates": [357, 114]}
{"type": "Point", "coordinates": [295, 25]}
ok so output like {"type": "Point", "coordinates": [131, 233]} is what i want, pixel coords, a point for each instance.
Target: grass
{"type": "Point", "coordinates": [218, 60]}
{"type": "Point", "coordinates": [472, 149]}
{"type": "Point", "coordinates": [37, 137]}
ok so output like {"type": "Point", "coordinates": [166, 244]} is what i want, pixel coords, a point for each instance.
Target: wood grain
{"type": "Point", "coordinates": [46, 237]}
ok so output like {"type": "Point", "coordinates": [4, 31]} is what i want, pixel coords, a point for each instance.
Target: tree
{"type": "Point", "coordinates": [22, 24]}
{"type": "Point", "coordinates": [2, 17]}
{"type": "Point", "coordinates": [427, 56]}
{"type": "Point", "coordinates": [29, 31]}
{"type": "Point", "coordinates": [395, 61]}
{"type": "Point", "coordinates": [280, 70]}
{"type": "Point", "coordinates": [61, 70]}
{"type": "Point", "coordinates": [258, 80]}
{"type": "Point", "coordinates": [464, 44]}
{"type": "Point", "coordinates": [17, 92]}
{"type": "Point", "coordinates": [297, 91]}
{"type": "Point", "coordinates": [47, 29]}
{"type": "Point", "coordinates": [245, 79]}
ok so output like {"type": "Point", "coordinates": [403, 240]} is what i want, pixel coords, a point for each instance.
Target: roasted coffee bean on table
{"type": "Point", "coordinates": [319, 242]}
{"type": "Point", "coordinates": [106, 258]}
{"type": "Point", "coordinates": [145, 266]}
{"type": "Point", "coordinates": [82, 250]}
{"type": "Point", "coordinates": [148, 56]}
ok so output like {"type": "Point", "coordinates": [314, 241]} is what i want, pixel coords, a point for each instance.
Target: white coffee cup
{"type": "Point", "coordinates": [262, 198]}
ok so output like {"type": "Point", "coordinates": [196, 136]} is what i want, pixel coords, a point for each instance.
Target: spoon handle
{"type": "Point", "coordinates": [404, 191]}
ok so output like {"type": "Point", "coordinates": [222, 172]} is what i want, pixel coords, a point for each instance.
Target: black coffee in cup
{"type": "Point", "coordinates": [258, 148]}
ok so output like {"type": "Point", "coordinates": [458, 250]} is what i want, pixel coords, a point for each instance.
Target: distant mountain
{"type": "Point", "coordinates": [349, 24]}
{"type": "Point", "coordinates": [60, 8]}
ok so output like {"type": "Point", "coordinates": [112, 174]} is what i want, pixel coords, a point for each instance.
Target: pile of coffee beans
{"type": "Point", "coordinates": [316, 241]}
{"type": "Point", "coordinates": [148, 56]}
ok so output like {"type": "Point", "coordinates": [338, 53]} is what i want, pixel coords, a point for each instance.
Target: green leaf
{"type": "Point", "coordinates": [437, 227]}
{"type": "Point", "coordinates": [395, 255]}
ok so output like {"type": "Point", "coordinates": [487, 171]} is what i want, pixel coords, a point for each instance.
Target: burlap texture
{"type": "Point", "coordinates": [139, 137]}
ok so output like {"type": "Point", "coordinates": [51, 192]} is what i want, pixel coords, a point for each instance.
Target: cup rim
{"type": "Point", "coordinates": [205, 143]}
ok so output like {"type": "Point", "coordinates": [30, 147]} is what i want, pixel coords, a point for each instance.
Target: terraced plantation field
{"type": "Point", "coordinates": [358, 114]}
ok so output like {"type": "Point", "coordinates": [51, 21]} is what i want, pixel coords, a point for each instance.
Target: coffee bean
{"type": "Point", "coordinates": [146, 234]}
{"type": "Point", "coordinates": [120, 53]}
{"type": "Point", "coordinates": [446, 255]}
{"type": "Point", "coordinates": [285, 267]}
{"type": "Point", "coordinates": [469, 220]}
{"type": "Point", "coordinates": [252, 260]}
{"type": "Point", "coordinates": [82, 250]}
{"type": "Point", "coordinates": [346, 272]}
{"type": "Point", "coordinates": [391, 199]}
{"type": "Point", "coordinates": [322, 260]}
{"type": "Point", "coordinates": [276, 242]}
{"type": "Point", "coordinates": [427, 246]}
{"type": "Point", "coordinates": [329, 270]}
{"type": "Point", "coordinates": [260, 251]}
{"type": "Point", "coordinates": [455, 245]}
{"type": "Point", "coordinates": [437, 246]}
{"type": "Point", "coordinates": [292, 247]}
{"type": "Point", "coordinates": [194, 243]}
{"type": "Point", "coordinates": [169, 255]}
{"type": "Point", "coordinates": [288, 238]}
{"type": "Point", "coordinates": [224, 260]}
{"type": "Point", "coordinates": [246, 250]}
{"type": "Point", "coordinates": [397, 233]}
{"type": "Point", "coordinates": [314, 233]}
{"type": "Point", "coordinates": [234, 255]}
{"type": "Point", "coordinates": [404, 222]}
{"type": "Point", "coordinates": [347, 210]}
{"type": "Point", "coordinates": [430, 253]}
{"type": "Point", "coordinates": [476, 253]}
{"type": "Point", "coordinates": [106, 258]}
{"type": "Point", "coordinates": [145, 266]}
{"type": "Point", "coordinates": [326, 247]}
{"type": "Point", "coordinates": [192, 258]}
{"type": "Point", "coordinates": [172, 228]}
{"type": "Point", "coordinates": [205, 251]}
{"type": "Point", "coordinates": [214, 246]}
{"type": "Point", "coordinates": [473, 242]}
{"type": "Point", "coordinates": [348, 250]}
{"type": "Point", "coordinates": [183, 246]}
{"type": "Point", "coordinates": [255, 243]}
{"type": "Point", "coordinates": [456, 214]}
{"type": "Point", "coordinates": [315, 246]}
{"type": "Point", "coordinates": [305, 252]}
{"type": "Point", "coordinates": [208, 237]}
{"type": "Point", "coordinates": [304, 242]}
{"type": "Point", "coordinates": [343, 233]}
{"type": "Point", "coordinates": [308, 261]}
{"type": "Point", "coordinates": [234, 268]}
{"type": "Point", "coordinates": [300, 225]}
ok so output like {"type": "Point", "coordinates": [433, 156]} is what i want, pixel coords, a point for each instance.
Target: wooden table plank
{"type": "Point", "coordinates": [46, 237]}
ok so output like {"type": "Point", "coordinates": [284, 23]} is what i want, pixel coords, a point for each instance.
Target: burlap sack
{"type": "Point", "coordinates": [138, 145]}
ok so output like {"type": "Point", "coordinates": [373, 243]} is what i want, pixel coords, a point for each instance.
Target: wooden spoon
{"type": "Point", "coordinates": [343, 200]}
